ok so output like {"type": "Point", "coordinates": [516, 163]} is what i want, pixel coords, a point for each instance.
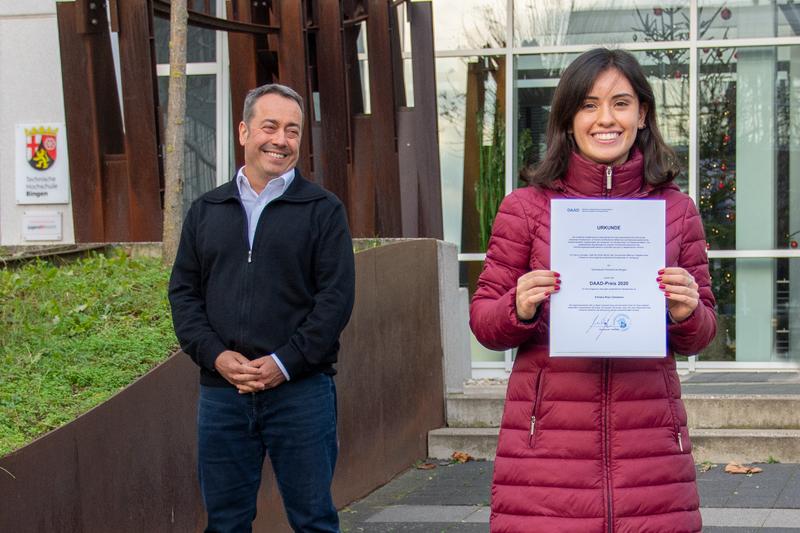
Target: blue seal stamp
{"type": "Point", "coordinates": [622, 322]}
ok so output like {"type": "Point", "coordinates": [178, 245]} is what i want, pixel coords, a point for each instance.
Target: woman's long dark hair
{"type": "Point", "coordinates": [660, 162]}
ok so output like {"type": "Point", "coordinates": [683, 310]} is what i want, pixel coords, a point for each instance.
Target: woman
{"type": "Point", "coordinates": [589, 444]}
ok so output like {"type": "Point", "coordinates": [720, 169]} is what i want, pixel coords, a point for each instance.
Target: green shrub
{"type": "Point", "coordinates": [72, 336]}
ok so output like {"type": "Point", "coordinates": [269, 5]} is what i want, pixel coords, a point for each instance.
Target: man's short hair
{"type": "Point", "coordinates": [269, 88]}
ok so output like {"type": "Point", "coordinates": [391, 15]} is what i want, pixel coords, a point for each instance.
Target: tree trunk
{"type": "Point", "coordinates": [175, 132]}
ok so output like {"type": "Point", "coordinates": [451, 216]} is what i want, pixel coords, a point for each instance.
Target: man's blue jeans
{"type": "Point", "coordinates": [295, 424]}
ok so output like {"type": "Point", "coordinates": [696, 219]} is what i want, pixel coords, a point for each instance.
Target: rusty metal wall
{"type": "Point", "coordinates": [129, 464]}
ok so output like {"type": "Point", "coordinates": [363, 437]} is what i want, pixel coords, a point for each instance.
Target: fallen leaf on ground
{"type": "Point", "coordinates": [461, 457]}
{"type": "Point", "coordinates": [736, 468]}
{"type": "Point", "coordinates": [706, 466]}
{"type": "Point", "coordinates": [426, 466]}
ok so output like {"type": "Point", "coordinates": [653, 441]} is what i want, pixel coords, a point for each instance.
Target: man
{"type": "Point", "coordinates": [261, 288]}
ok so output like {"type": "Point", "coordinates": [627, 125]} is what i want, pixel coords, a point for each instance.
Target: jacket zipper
{"type": "Point", "coordinates": [676, 427]}
{"type": "Point", "coordinates": [536, 402]}
{"type": "Point", "coordinates": [606, 450]}
{"type": "Point", "coordinates": [607, 190]}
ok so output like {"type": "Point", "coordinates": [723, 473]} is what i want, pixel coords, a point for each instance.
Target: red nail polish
{"type": "Point", "coordinates": [558, 281]}
{"type": "Point", "coordinates": [666, 294]}
{"type": "Point", "coordinates": [557, 288]}
{"type": "Point", "coordinates": [661, 271]}
{"type": "Point", "coordinates": [662, 286]}
{"type": "Point", "coordinates": [659, 278]}
{"type": "Point", "coordinates": [556, 274]}
{"type": "Point", "coordinates": [547, 294]}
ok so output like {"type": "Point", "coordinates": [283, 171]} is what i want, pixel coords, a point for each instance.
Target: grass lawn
{"type": "Point", "coordinates": [72, 336]}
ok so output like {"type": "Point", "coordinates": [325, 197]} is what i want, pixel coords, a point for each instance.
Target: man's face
{"type": "Point", "coordinates": [272, 138]}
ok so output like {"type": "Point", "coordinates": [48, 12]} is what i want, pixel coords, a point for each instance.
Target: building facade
{"type": "Point", "coordinates": [726, 75]}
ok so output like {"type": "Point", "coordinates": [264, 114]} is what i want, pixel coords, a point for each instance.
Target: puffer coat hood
{"type": "Point", "coordinates": [590, 445]}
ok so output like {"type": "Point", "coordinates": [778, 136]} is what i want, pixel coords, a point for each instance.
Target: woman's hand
{"type": "Point", "coordinates": [681, 291]}
{"type": "Point", "coordinates": [532, 289]}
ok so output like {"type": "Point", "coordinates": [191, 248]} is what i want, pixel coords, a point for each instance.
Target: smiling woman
{"type": "Point", "coordinates": [605, 126]}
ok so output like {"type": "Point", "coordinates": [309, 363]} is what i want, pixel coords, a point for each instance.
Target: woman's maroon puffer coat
{"type": "Point", "coordinates": [589, 445]}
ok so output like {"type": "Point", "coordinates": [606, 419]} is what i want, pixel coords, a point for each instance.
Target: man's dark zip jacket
{"type": "Point", "coordinates": [291, 294]}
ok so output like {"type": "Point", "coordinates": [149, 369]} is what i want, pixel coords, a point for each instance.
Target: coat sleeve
{"type": "Point", "coordinates": [315, 341]}
{"type": "Point", "coordinates": [195, 334]}
{"type": "Point", "coordinates": [698, 330]}
{"type": "Point", "coordinates": [493, 313]}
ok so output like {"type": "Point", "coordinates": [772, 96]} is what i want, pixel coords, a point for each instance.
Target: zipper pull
{"type": "Point", "coordinates": [680, 442]}
{"type": "Point", "coordinates": [533, 424]}
{"type": "Point", "coordinates": [249, 256]}
{"type": "Point", "coordinates": [608, 178]}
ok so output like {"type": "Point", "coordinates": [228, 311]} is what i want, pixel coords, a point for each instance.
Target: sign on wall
{"type": "Point", "coordinates": [42, 226]}
{"type": "Point", "coordinates": [41, 163]}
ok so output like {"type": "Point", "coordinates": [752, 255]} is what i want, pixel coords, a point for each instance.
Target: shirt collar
{"type": "Point", "coordinates": [282, 182]}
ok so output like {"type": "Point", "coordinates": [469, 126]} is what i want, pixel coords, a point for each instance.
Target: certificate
{"type": "Point", "coordinates": [608, 253]}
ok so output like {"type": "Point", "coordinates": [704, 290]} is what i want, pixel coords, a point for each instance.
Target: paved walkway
{"type": "Point", "coordinates": [455, 498]}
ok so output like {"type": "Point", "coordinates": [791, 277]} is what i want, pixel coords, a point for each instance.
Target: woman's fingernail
{"type": "Point", "coordinates": [556, 274]}
{"type": "Point", "coordinates": [558, 281]}
{"type": "Point", "coordinates": [662, 286]}
{"type": "Point", "coordinates": [666, 294]}
{"type": "Point", "coordinates": [661, 271]}
{"type": "Point", "coordinates": [547, 294]}
{"type": "Point", "coordinates": [659, 278]}
{"type": "Point", "coordinates": [557, 288]}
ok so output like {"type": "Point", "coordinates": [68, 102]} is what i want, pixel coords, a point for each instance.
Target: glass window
{"type": "Point", "coordinates": [741, 19]}
{"type": "Point", "coordinates": [469, 24]}
{"type": "Point", "coordinates": [471, 99]}
{"type": "Point", "coordinates": [201, 44]}
{"type": "Point", "coordinates": [667, 71]}
{"type": "Point", "coordinates": [557, 23]}
{"type": "Point", "coordinates": [403, 42]}
{"type": "Point", "coordinates": [200, 159]}
{"type": "Point", "coordinates": [749, 158]}
{"type": "Point", "coordinates": [758, 310]}
{"type": "Point", "coordinates": [357, 57]}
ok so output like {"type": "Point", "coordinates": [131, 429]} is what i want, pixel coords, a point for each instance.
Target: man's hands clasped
{"type": "Point", "coordinates": [246, 375]}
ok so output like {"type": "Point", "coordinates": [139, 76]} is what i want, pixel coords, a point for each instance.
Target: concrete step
{"type": "Point", "coordinates": [715, 445]}
{"type": "Point", "coordinates": [484, 408]}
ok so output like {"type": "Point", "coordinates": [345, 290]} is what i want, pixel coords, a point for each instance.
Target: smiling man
{"type": "Point", "coordinates": [261, 289]}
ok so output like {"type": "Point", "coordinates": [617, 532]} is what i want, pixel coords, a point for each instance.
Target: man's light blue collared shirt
{"type": "Point", "coordinates": [254, 205]}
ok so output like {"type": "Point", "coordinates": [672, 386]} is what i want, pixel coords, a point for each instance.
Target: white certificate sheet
{"type": "Point", "coordinates": [608, 253]}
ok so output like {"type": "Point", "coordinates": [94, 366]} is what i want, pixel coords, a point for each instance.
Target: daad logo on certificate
{"type": "Point", "coordinates": [608, 253]}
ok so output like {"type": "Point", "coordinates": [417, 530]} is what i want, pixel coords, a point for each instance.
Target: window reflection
{"type": "Point", "coordinates": [469, 24]}
{"type": "Point", "coordinates": [556, 23]}
{"type": "Point", "coordinates": [749, 157]}
{"type": "Point", "coordinates": [201, 44]}
{"type": "Point", "coordinates": [200, 153]}
{"type": "Point", "coordinates": [744, 18]}
{"type": "Point", "coordinates": [758, 320]}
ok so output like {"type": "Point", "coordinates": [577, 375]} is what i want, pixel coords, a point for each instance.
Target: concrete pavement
{"type": "Point", "coordinates": [455, 498]}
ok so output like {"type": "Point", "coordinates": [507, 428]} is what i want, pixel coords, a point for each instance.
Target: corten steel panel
{"type": "Point", "coordinates": [141, 128]}
{"type": "Point", "coordinates": [427, 142]}
{"type": "Point", "coordinates": [126, 466]}
{"type": "Point", "coordinates": [92, 117]}
{"type": "Point", "coordinates": [129, 465]}
{"type": "Point", "coordinates": [292, 61]}
{"type": "Point", "coordinates": [333, 101]}
{"type": "Point", "coordinates": [364, 172]}
{"type": "Point", "coordinates": [475, 97]}
{"type": "Point", "coordinates": [390, 380]}
{"type": "Point", "coordinates": [116, 201]}
{"type": "Point", "coordinates": [388, 221]}
{"type": "Point", "coordinates": [243, 69]}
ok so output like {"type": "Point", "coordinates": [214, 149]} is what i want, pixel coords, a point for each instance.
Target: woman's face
{"type": "Point", "coordinates": [606, 124]}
